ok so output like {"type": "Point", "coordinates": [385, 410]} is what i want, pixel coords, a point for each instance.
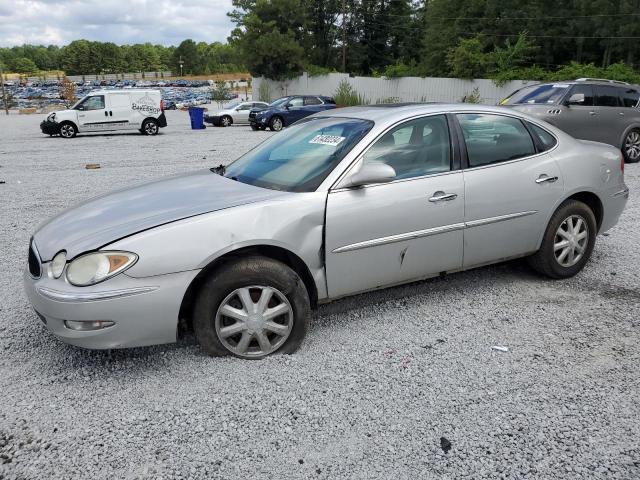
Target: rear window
{"type": "Point", "coordinates": [537, 94]}
{"type": "Point", "coordinates": [630, 97]}
{"type": "Point", "coordinates": [607, 96]}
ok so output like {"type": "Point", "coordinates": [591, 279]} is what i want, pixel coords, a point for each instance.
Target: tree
{"type": "Point", "coordinates": [187, 52]}
{"type": "Point", "coordinates": [269, 34]}
{"type": "Point", "coordinates": [467, 59]}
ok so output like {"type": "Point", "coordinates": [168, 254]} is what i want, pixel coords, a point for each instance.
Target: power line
{"type": "Point", "coordinates": [545, 17]}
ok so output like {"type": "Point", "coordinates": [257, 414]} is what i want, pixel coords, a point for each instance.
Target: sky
{"type": "Point", "coordinates": [165, 22]}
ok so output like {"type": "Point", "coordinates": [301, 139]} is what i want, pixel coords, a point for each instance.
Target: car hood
{"type": "Point", "coordinates": [107, 218]}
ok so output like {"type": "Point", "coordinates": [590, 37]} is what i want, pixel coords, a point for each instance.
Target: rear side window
{"type": "Point", "coordinates": [537, 94]}
{"type": "Point", "coordinates": [607, 96]}
{"type": "Point", "coordinates": [296, 102]}
{"type": "Point", "coordinates": [494, 138]}
{"type": "Point", "coordinates": [312, 101]}
{"type": "Point", "coordinates": [630, 97]}
{"type": "Point", "coordinates": [547, 141]}
{"type": "Point", "coordinates": [586, 90]}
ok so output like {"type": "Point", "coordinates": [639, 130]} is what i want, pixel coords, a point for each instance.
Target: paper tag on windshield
{"type": "Point", "coordinates": [332, 140]}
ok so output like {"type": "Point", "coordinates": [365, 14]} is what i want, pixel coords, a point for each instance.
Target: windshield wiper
{"type": "Point", "coordinates": [220, 169]}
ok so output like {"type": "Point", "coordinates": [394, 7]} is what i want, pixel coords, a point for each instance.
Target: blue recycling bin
{"type": "Point", "coordinates": [196, 114]}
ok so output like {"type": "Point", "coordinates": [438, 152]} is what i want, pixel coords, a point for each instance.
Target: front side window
{"type": "Point", "coordinates": [415, 148]}
{"type": "Point", "coordinates": [243, 106]}
{"type": "Point", "coordinates": [299, 158]}
{"type": "Point", "coordinates": [630, 97]}
{"type": "Point", "coordinates": [91, 103]}
{"type": "Point", "coordinates": [607, 96]}
{"type": "Point", "coordinates": [586, 90]}
{"type": "Point", "coordinates": [494, 138]}
{"type": "Point", "coordinates": [538, 94]}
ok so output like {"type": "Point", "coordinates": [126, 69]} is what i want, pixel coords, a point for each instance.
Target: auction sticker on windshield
{"type": "Point", "coordinates": [332, 140]}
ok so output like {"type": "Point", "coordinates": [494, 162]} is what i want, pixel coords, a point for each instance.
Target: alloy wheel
{"type": "Point", "coordinates": [254, 321]}
{"type": "Point", "coordinates": [67, 131]}
{"type": "Point", "coordinates": [276, 124]}
{"type": "Point", "coordinates": [571, 240]}
{"type": "Point", "coordinates": [632, 146]}
{"type": "Point", "coordinates": [226, 121]}
{"type": "Point", "coordinates": [151, 128]}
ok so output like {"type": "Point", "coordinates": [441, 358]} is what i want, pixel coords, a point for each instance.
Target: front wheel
{"type": "Point", "coordinates": [150, 127]}
{"type": "Point", "coordinates": [68, 130]}
{"type": "Point", "coordinates": [276, 124]}
{"type": "Point", "coordinates": [568, 241]}
{"type": "Point", "coordinates": [226, 121]}
{"type": "Point", "coordinates": [631, 147]}
{"type": "Point", "coordinates": [252, 308]}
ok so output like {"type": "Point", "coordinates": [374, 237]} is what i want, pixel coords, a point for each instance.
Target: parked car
{"type": "Point", "coordinates": [345, 201]}
{"type": "Point", "coordinates": [109, 110]}
{"type": "Point", "coordinates": [235, 113]}
{"type": "Point", "coordinates": [287, 110]}
{"type": "Point", "coordinates": [590, 109]}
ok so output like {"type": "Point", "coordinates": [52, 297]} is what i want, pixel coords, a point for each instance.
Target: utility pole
{"type": "Point", "coordinates": [181, 63]}
{"type": "Point", "coordinates": [4, 93]}
{"type": "Point", "coordinates": [344, 35]}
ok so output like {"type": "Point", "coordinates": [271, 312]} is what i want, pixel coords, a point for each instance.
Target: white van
{"type": "Point", "coordinates": [109, 110]}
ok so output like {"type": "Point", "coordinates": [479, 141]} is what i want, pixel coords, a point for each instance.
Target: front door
{"type": "Point", "coordinates": [241, 115]}
{"type": "Point", "coordinates": [92, 114]}
{"type": "Point", "coordinates": [411, 228]}
{"type": "Point", "coordinates": [511, 187]}
{"type": "Point", "coordinates": [578, 120]}
{"type": "Point", "coordinates": [295, 110]}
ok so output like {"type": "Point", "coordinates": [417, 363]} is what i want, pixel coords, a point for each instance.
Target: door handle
{"type": "Point", "coordinates": [110, 113]}
{"type": "Point", "coordinates": [621, 114]}
{"type": "Point", "coordinates": [442, 197]}
{"type": "Point", "coordinates": [592, 113]}
{"type": "Point", "coordinates": [546, 178]}
{"type": "Point", "coordinates": [106, 114]}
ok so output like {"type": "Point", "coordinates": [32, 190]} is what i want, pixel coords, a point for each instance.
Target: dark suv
{"type": "Point", "coordinates": [287, 110]}
{"type": "Point", "coordinates": [588, 108]}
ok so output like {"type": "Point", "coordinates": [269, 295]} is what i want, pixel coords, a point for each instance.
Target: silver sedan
{"type": "Point", "coordinates": [342, 202]}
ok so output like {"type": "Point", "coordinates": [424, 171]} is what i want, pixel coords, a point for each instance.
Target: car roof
{"type": "Point", "coordinates": [582, 81]}
{"type": "Point", "coordinates": [397, 111]}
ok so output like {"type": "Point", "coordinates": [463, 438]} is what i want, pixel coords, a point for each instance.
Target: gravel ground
{"type": "Point", "coordinates": [383, 382]}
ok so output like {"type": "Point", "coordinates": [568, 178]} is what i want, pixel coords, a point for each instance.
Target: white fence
{"type": "Point", "coordinates": [105, 76]}
{"type": "Point", "coordinates": [405, 89]}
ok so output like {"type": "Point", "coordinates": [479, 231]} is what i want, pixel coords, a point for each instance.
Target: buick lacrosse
{"type": "Point", "coordinates": [342, 202]}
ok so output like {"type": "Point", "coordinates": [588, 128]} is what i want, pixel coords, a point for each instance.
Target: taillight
{"type": "Point", "coordinates": [162, 105]}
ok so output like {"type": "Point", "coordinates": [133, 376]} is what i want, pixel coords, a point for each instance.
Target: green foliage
{"type": "Point", "coordinates": [402, 70]}
{"type": "Point", "coordinates": [382, 101]}
{"type": "Point", "coordinates": [346, 96]}
{"type": "Point", "coordinates": [220, 92]}
{"type": "Point", "coordinates": [467, 59]}
{"type": "Point", "coordinates": [316, 71]}
{"type": "Point", "coordinates": [24, 65]}
{"type": "Point", "coordinates": [264, 92]}
{"type": "Point", "coordinates": [473, 97]}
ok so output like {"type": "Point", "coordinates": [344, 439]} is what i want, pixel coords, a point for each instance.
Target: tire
{"type": "Point", "coordinates": [249, 278]}
{"type": "Point", "coordinates": [255, 128]}
{"type": "Point", "coordinates": [551, 260]}
{"type": "Point", "coordinates": [631, 146]}
{"type": "Point", "coordinates": [68, 130]}
{"type": "Point", "coordinates": [226, 121]}
{"type": "Point", "coordinates": [276, 124]}
{"type": "Point", "coordinates": [150, 127]}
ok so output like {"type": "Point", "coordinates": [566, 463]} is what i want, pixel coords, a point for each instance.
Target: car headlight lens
{"type": "Point", "coordinates": [58, 263]}
{"type": "Point", "coordinates": [96, 267]}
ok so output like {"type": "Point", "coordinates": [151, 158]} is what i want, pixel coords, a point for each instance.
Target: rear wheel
{"type": "Point", "coordinates": [226, 121]}
{"type": "Point", "coordinates": [150, 127]}
{"type": "Point", "coordinates": [252, 308]}
{"type": "Point", "coordinates": [631, 146]}
{"type": "Point", "coordinates": [276, 124]}
{"type": "Point", "coordinates": [568, 241]}
{"type": "Point", "coordinates": [68, 130]}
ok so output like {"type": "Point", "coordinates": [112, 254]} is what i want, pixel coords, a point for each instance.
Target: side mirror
{"type": "Point", "coordinates": [80, 107]}
{"type": "Point", "coordinates": [576, 99]}
{"type": "Point", "coordinates": [368, 173]}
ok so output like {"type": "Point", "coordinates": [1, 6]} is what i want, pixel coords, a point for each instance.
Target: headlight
{"type": "Point", "coordinates": [96, 267]}
{"type": "Point", "coordinates": [58, 263]}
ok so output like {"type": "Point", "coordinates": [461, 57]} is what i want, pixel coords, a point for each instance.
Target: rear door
{"type": "Point", "coordinates": [511, 184]}
{"type": "Point", "coordinates": [611, 117]}
{"type": "Point", "coordinates": [120, 111]}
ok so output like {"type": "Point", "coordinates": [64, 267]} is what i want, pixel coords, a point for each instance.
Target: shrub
{"type": "Point", "coordinates": [264, 91]}
{"type": "Point", "coordinates": [346, 96]}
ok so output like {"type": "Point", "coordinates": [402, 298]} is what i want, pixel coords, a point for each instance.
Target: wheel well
{"type": "Point", "coordinates": [149, 118]}
{"type": "Point", "coordinates": [277, 116]}
{"type": "Point", "coordinates": [69, 121]}
{"type": "Point", "coordinates": [593, 202]}
{"type": "Point", "coordinates": [277, 253]}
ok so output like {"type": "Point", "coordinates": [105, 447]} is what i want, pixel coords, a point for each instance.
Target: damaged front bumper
{"type": "Point", "coordinates": [50, 127]}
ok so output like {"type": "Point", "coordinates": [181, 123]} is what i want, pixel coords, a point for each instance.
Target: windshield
{"type": "Point", "coordinates": [232, 105]}
{"type": "Point", "coordinates": [299, 158]}
{"type": "Point", "coordinates": [537, 94]}
{"type": "Point", "coordinates": [280, 101]}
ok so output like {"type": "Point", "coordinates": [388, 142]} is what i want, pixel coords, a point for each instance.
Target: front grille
{"type": "Point", "coordinates": [34, 261]}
